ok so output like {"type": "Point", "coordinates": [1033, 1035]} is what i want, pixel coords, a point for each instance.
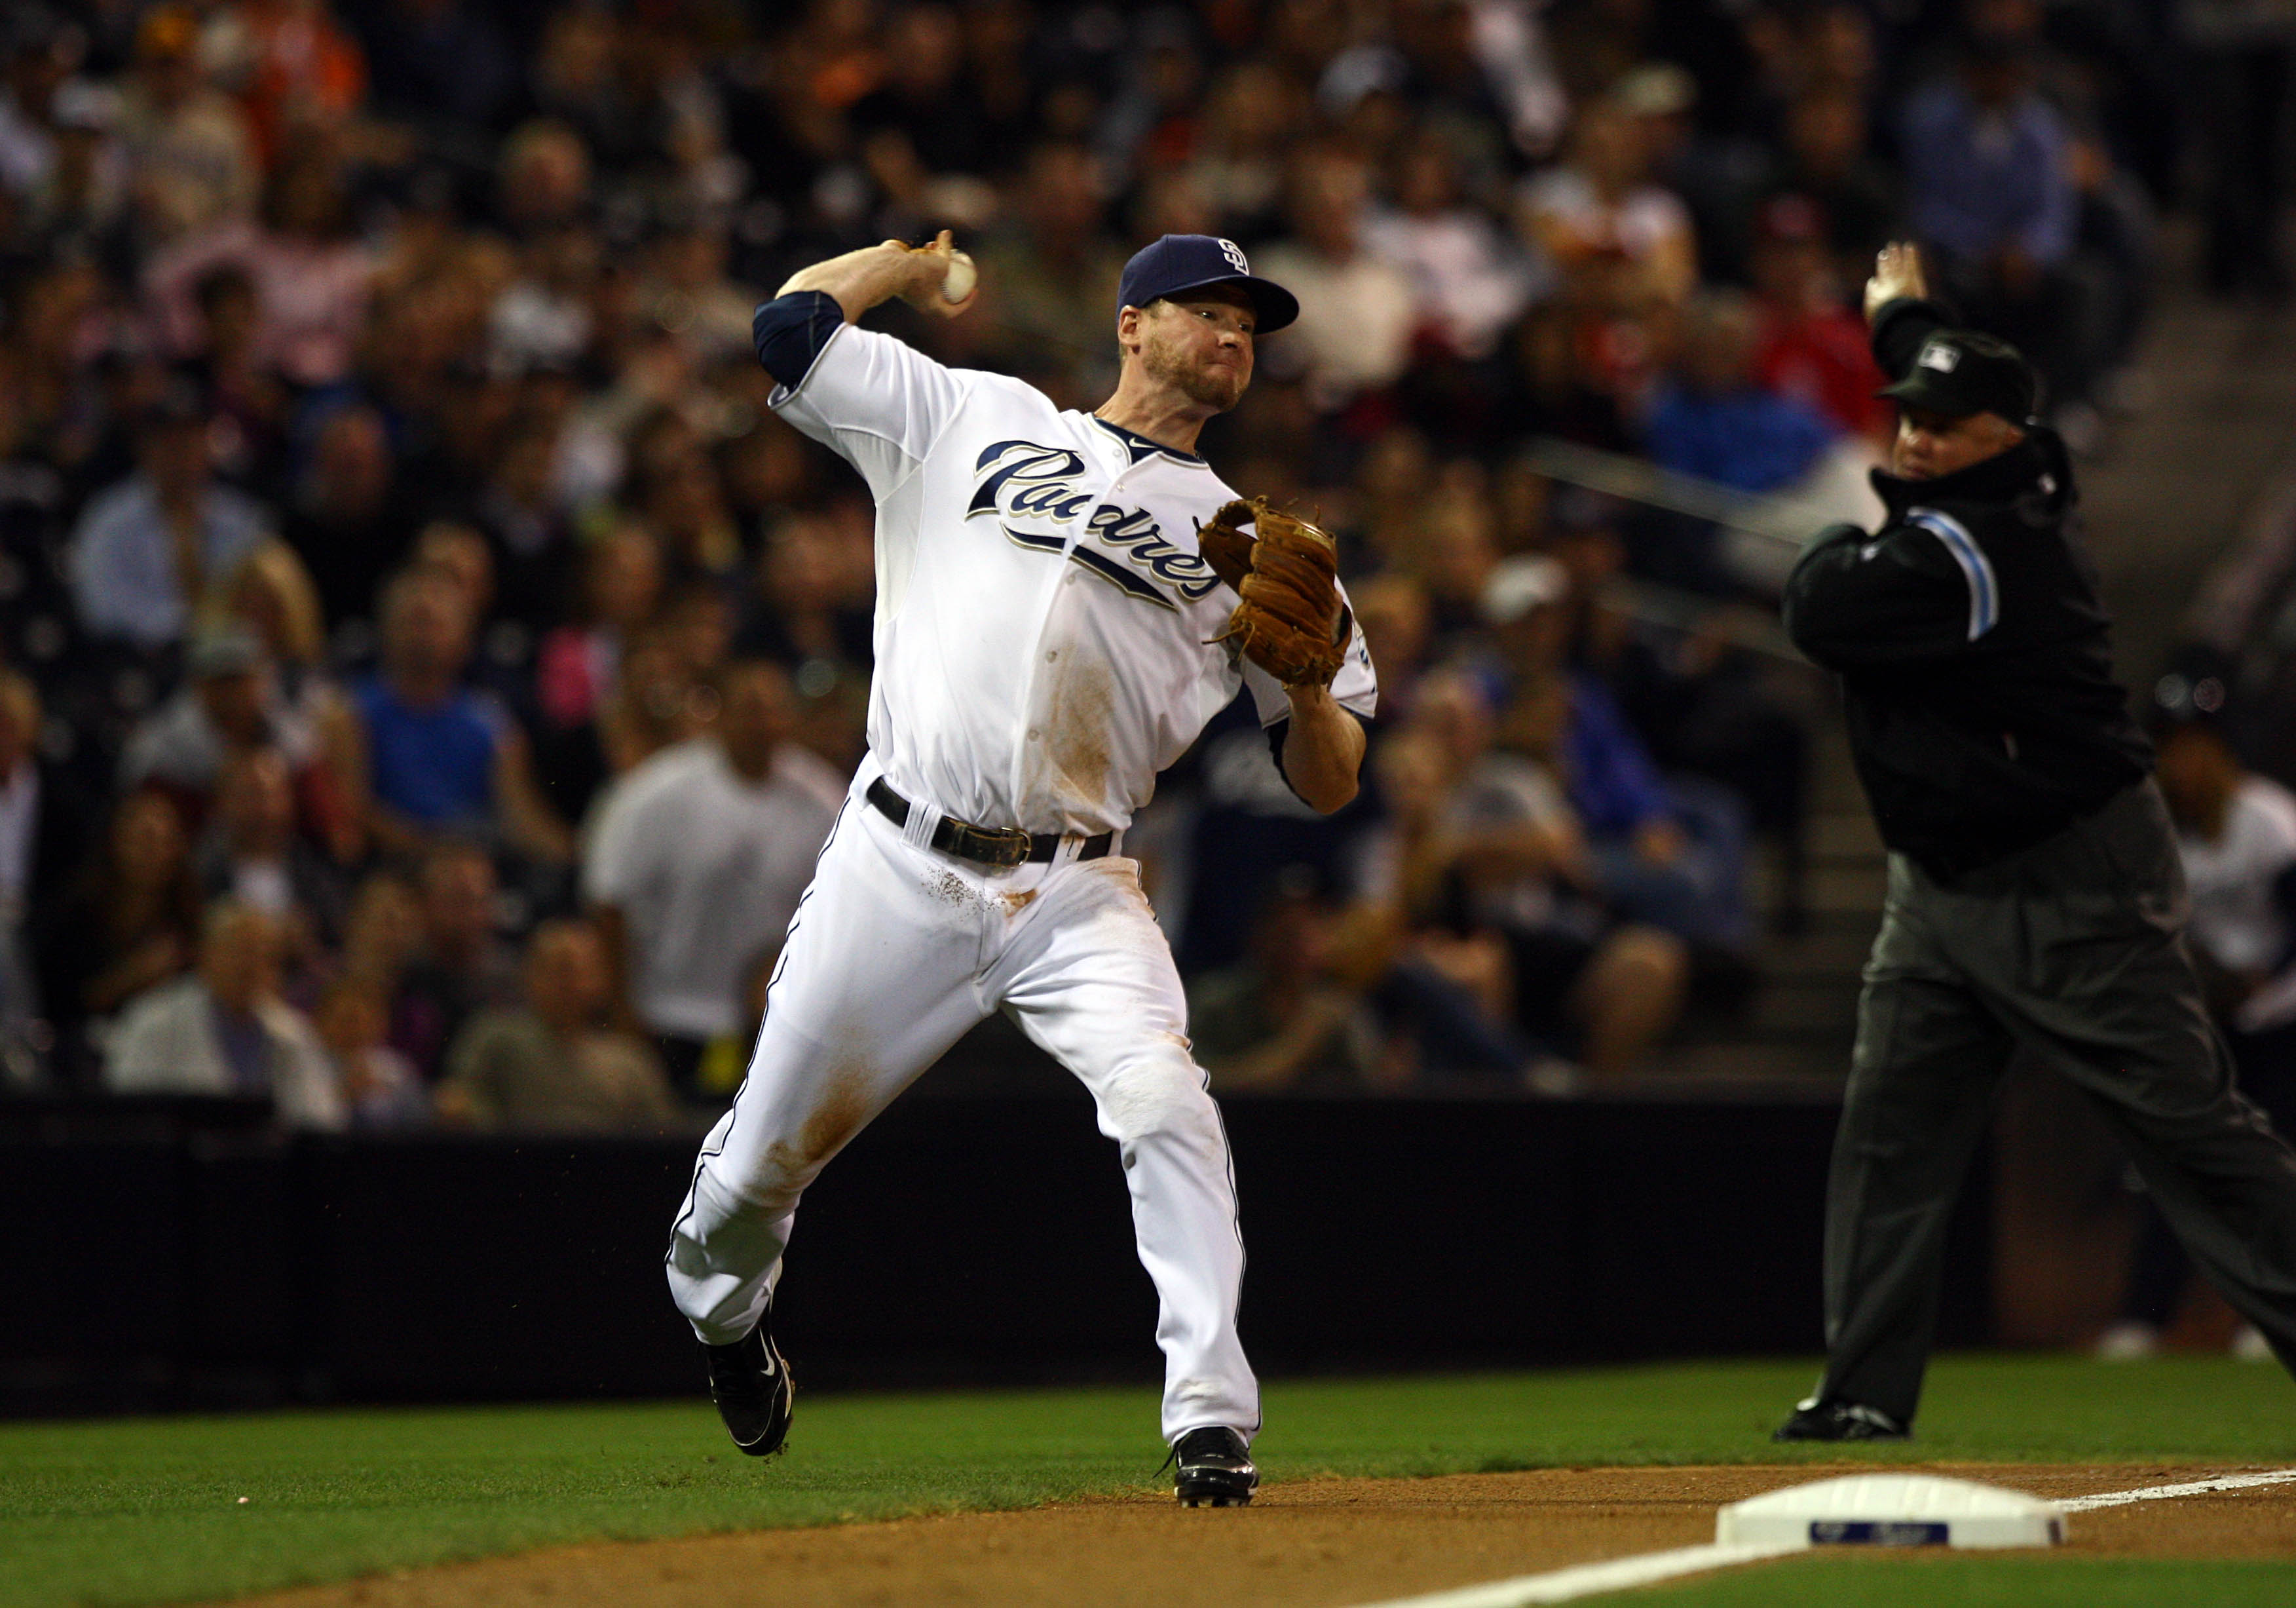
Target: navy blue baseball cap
{"type": "Point", "coordinates": [1180, 263]}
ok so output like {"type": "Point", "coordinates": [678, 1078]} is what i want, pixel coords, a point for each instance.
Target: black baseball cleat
{"type": "Point", "coordinates": [750, 1385]}
{"type": "Point", "coordinates": [1816, 1420]}
{"type": "Point", "coordinates": [1212, 1468]}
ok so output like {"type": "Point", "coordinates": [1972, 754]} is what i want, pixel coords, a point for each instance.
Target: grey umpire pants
{"type": "Point", "coordinates": [2072, 951]}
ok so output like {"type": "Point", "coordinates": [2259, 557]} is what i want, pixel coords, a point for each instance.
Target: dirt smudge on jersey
{"type": "Point", "coordinates": [1018, 900]}
{"type": "Point", "coordinates": [844, 1107]}
{"type": "Point", "coordinates": [950, 889]}
{"type": "Point", "coordinates": [1076, 735]}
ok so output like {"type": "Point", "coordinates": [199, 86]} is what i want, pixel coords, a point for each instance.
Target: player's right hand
{"type": "Point", "coordinates": [1898, 273]}
{"type": "Point", "coordinates": [930, 266]}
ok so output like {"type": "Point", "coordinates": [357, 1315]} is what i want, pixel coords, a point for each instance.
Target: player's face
{"type": "Point", "coordinates": [1933, 444]}
{"type": "Point", "coordinates": [1201, 344]}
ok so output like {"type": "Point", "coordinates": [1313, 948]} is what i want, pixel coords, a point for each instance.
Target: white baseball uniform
{"type": "Point", "coordinates": [1043, 644]}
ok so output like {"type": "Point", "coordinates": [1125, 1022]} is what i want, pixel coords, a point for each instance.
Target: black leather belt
{"type": "Point", "coordinates": [986, 845]}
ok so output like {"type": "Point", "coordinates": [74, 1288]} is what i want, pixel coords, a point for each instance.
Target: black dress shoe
{"type": "Point", "coordinates": [1816, 1420]}
{"type": "Point", "coordinates": [750, 1385]}
{"type": "Point", "coordinates": [1212, 1468]}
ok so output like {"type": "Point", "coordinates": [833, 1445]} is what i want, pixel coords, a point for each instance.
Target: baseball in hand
{"type": "Point", "coordinates": [962, 277]}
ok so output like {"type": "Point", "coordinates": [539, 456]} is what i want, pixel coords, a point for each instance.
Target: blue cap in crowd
{"type": "Point", "coordinates": [1180, 263]}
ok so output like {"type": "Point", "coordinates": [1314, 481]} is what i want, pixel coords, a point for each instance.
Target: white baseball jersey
{"type": "Point", "coordinates": [1043, 638]}
{"type": "Point", "coordinates": [1044, 619]}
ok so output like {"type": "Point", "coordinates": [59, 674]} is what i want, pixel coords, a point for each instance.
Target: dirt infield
{"type": "Point", "coordinates": [1324, 1543]}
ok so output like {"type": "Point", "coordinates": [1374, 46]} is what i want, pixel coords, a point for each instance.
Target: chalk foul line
{"type": "Point", "coordinates": [1586, 1579]}
{"type": "Point", "coordinates": [1649, 1568]}
{"type": "Point", "coordinates": [2161, 1493]}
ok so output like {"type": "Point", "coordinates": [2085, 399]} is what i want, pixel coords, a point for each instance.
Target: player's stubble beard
{"type": "Point", "coordinates": [1216, 388]}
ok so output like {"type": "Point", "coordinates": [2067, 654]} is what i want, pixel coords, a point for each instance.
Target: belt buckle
{"type": "Point", "coordinates": [1004, 847]}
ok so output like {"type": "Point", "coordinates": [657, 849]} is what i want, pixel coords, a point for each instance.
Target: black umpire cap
{"type": "Point", "coordinates": [1963, 372]}
{"type": "Point", "coordinates": [1180, 263]}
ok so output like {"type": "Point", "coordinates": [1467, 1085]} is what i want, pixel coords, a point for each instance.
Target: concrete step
{"type": "Point", "coordinates": [1838, 835]}
{"type": "Point", "coordinates": [1833, 949]}
{"type": "Point", "coordinates": [1846, 889]}
{"type": "Point", "coordinates": [1743, 1067]}
{"type": "Point", "coordinates": [1799, 1009]}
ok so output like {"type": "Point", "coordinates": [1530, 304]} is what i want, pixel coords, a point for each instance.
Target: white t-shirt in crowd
{"type": "Point", "coordinates": [2235, 917]}
{"type": "Point", "coordinates": [1355, 322]}
{"type": "Point", "coordinates": [707, 869]}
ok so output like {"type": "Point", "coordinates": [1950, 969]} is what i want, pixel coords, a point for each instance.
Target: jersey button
{"type": "Point", "coordinates": [1032, 733]}
{"type": "Point", "coordinates": [1051, 654]}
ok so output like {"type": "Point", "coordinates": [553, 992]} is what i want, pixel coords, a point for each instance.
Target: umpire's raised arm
{"type": "Point", "coordinates": [1920, 588]}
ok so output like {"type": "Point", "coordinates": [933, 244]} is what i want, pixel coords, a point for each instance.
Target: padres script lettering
{"type": "Point", "coordinates": [1023, 480]}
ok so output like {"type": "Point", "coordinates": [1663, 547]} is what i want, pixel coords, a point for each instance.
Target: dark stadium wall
{"type": "Point", "coordinates": [152, 1264]}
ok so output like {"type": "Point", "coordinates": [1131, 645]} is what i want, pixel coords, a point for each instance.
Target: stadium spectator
{"type": "Point", "coordinates": [1054, 275]}
{"type": "Point", "coordinates": [43, 834]}
{"type": "Point", "coordinates": [1620, 237]}
{"type": "Point", "coordinates": [1713, 417]}
{"type": "Point", "coordinates": [621, 589]}
{"type": "Point", "coordinates": [130, 922]}
{"type": "Point", "coordinates": [1812, 350]}
{"type": "Point", "coordinates": [246, 402]}
{"type": "Point", "coordinates": [347, 518]}
{"type": "Point", "coordinates": [552, 1065]}
{"type": "Point", "coordinates": [186, 142]}
{"type": "Point", "coordinates": [462, 966]}
{"type": "Point", "coordinates": [527, 532]}
{"type": "Point", "coordinates": [695, 868]}
{"type": "Point", "coordinates": [1827, 155]}
{"type": "Point", "coordinates": [231, 703]}
{"type": "Point", "coordinates": [803, 614]}
{"type": "Point", "coordinates": [1989, 186]}
{"type": "Point", "coordinates": [1656, 851]}
{"type": "Point", "coordinates": [1357, 313]}
{"type": "Point", "coordinates": [1470, 277]}
{"type": "Point", "coordinates": [381, 1088]}
{"type": "Point", "coordinates": [153, 552]}
{"type": "Point", "coordinates": [312, 274]}
{"type": "Point", "coordinates": [441, 63]}
{"type": "Point", "coordinates": [1453, 1007]}
{"type": "Point", "coordinates": [308, 713]}
{"type": "Point", "coordinates": [442, 758]}
{"type": "Point", "coordinates": [1283, 1020]}
{"type": "Point", "coordinates": [2237, 837]}
{"type": "Point", "coordinates": [224, 1030]}
{"type": "Point", "coordinates": [253, 855]}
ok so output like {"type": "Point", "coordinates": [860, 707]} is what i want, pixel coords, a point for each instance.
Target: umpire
{"type": "Point", "coordinates": [2035, 896]}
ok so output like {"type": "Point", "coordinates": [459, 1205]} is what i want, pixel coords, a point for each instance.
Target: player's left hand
{"type": "Point", "coordinates": [1291, 620]}
{"type": "Point", "coordinates": [937, 269]}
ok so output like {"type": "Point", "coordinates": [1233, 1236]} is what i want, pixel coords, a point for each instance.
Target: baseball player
{"type": "Point", "coordinates": [1063, 600]}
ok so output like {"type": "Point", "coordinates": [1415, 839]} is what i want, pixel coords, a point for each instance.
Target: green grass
{"type": "Point", "coordinates": [1967, 1582]}
{"type": "Point", "coordinates": [147, 1511]}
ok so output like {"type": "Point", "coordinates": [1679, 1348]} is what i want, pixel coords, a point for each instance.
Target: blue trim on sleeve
{"type": "Point", "coordinates": [1984, 591]}
{"type": "Point", "coordinates": [791, 332]}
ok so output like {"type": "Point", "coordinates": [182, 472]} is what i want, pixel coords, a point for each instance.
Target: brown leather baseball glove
{"type": "Point", "coordinates": [1287, 572]}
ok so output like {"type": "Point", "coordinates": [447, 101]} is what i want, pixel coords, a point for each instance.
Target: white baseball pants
{"type": "Point", "coordinates": [895, 951]}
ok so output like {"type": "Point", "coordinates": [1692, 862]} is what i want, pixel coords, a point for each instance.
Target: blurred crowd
{"type": "Point", "coordinates": [430, 666]}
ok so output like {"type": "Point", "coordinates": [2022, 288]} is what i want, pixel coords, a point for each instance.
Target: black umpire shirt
{"type": "Point", "coordinates": [1975, 658]}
